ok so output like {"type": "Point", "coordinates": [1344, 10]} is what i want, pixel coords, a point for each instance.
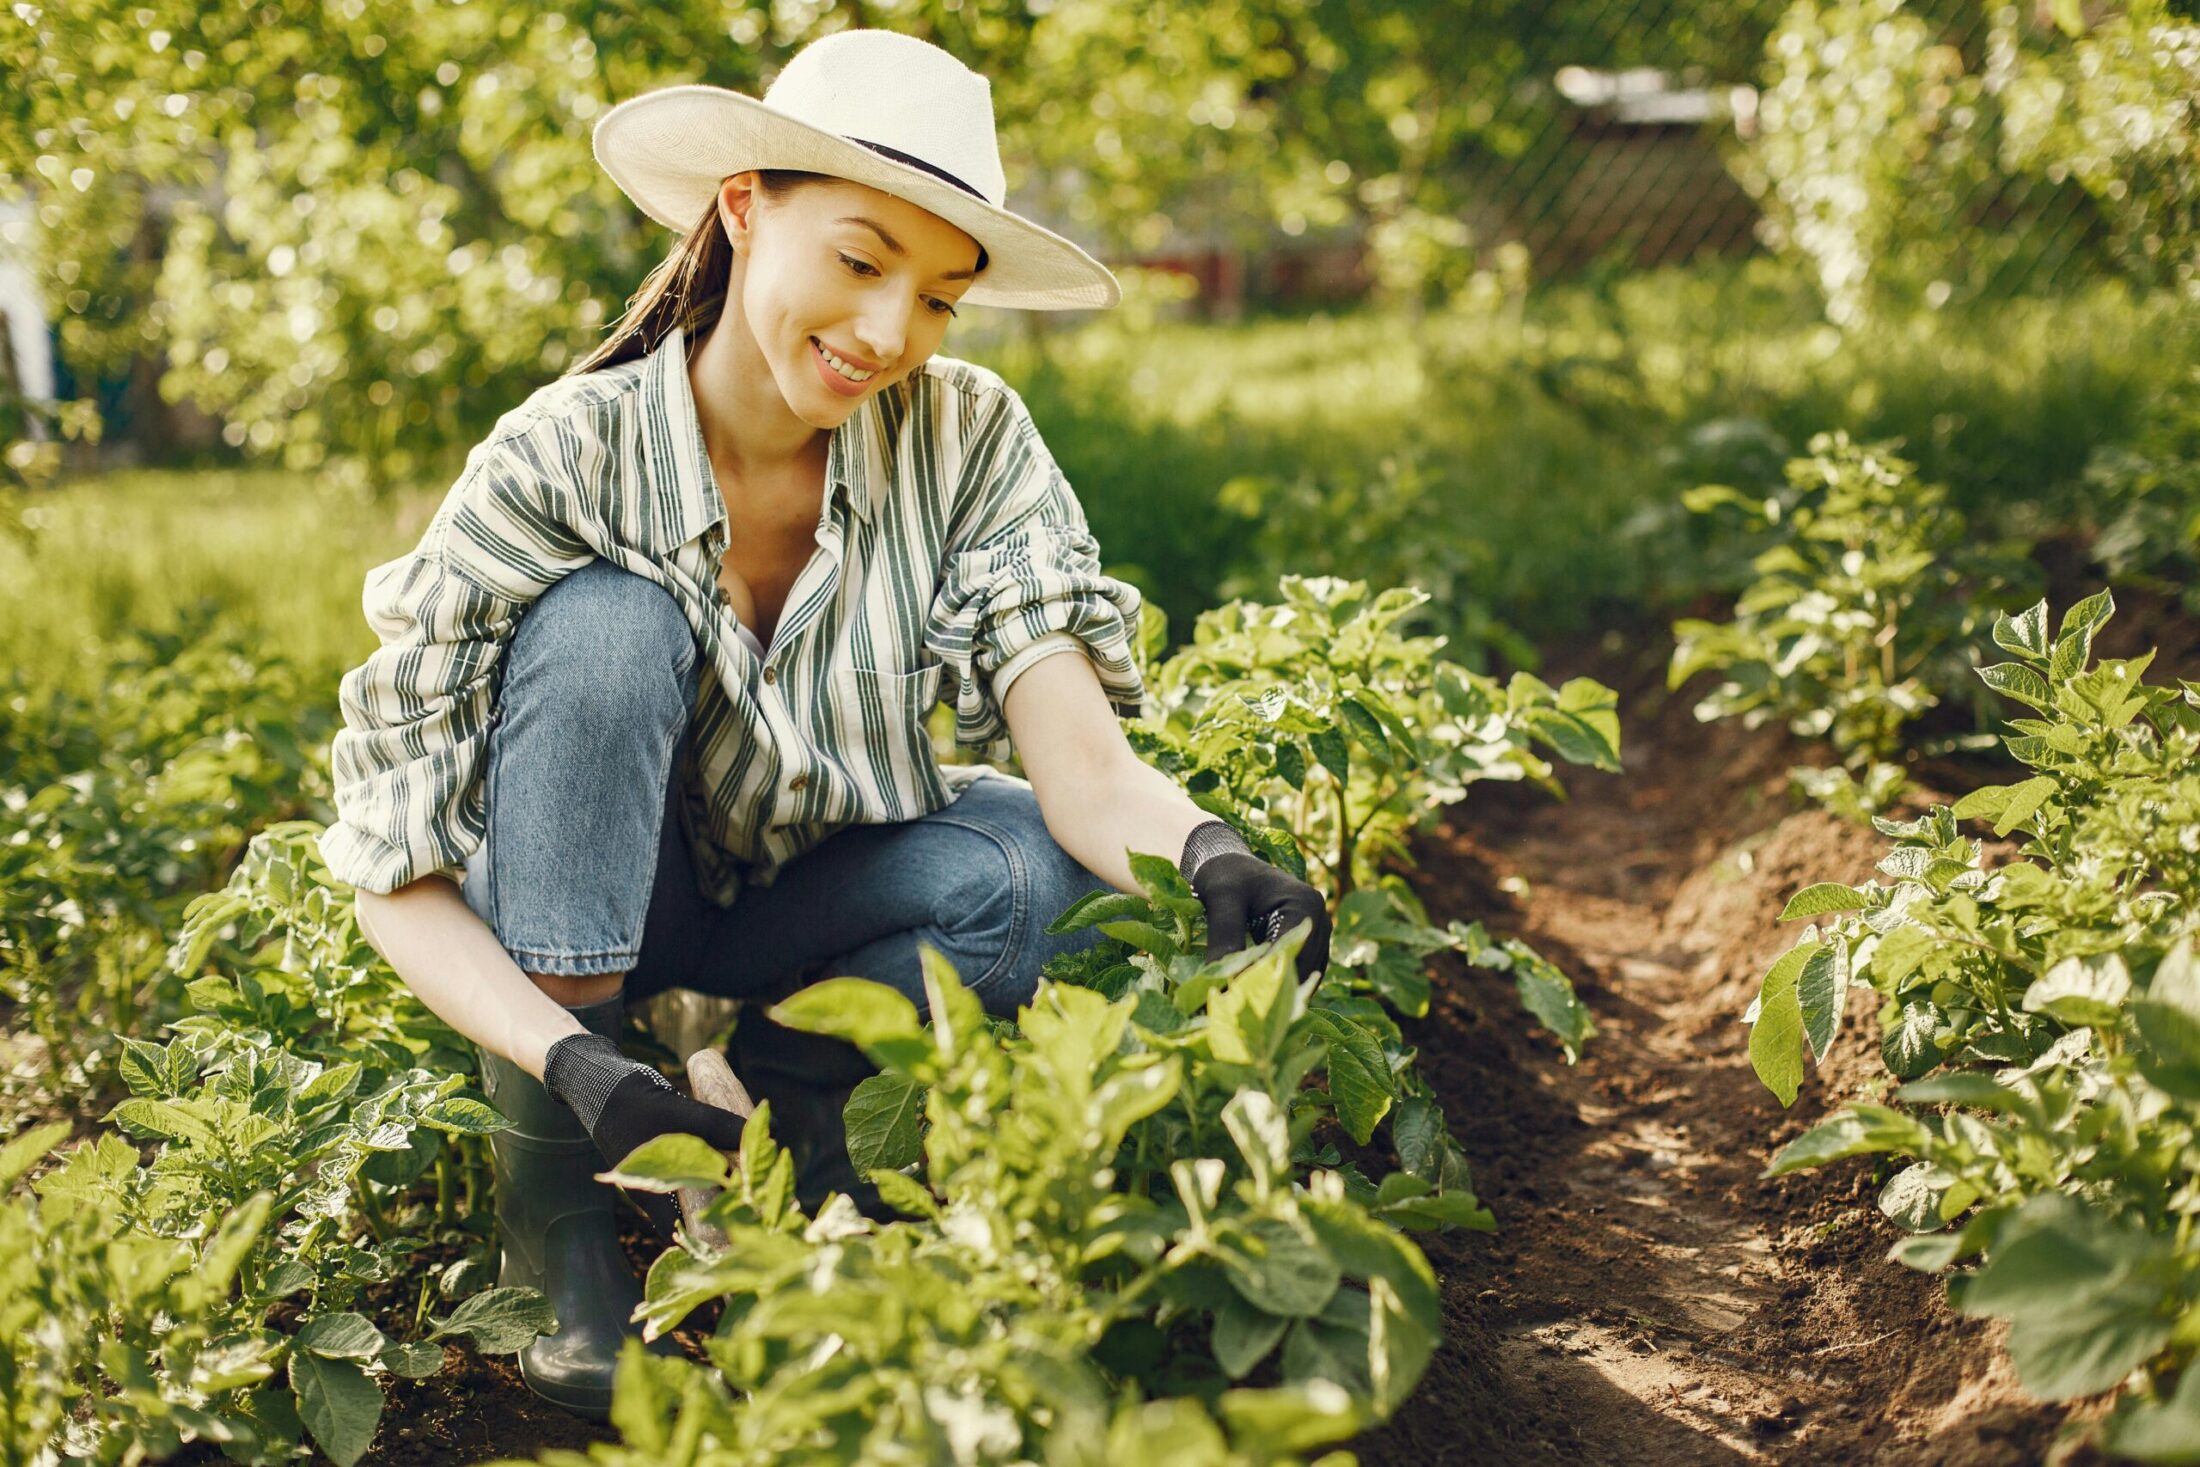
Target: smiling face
{"type": "Point", "coordinates": [845, 289]}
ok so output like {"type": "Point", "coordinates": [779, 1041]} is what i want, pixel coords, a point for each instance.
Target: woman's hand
{"type": "Point", "coordinates": [1245, 896]}
{"type": "Point", "coordinates": [624, 1103]}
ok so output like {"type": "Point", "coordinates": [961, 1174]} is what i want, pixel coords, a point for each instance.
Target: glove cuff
{"type": "Point", "coordinates": [1209, 839]}
{"type": "Point", "coordinates": [581, 1071]}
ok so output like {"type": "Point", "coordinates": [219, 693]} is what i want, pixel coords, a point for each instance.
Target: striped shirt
{"type": "Point", "coordinates": [951, 555]}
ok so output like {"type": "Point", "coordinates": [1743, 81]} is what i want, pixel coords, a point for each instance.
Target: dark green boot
{"type": "Point", "coordinates": [559, 1231]}
{"type": "Point", "coordinates": [808, 1079]}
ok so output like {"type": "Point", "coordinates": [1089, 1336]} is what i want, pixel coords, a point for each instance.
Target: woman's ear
{"type": "Point", "coordinates": [737, 197]}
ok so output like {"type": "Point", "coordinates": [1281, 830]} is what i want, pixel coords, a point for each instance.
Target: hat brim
{"type": "Point", "coordinates": [669, 150]}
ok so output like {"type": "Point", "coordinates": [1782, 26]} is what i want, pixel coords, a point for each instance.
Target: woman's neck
{"type": "Point", "coordinates": [747, 425]}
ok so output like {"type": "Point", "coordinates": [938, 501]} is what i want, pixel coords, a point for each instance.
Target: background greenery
{"type": "Point", "coordinates": [353, 233]}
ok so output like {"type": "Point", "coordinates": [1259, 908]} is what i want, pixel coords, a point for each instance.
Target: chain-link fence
{"type": "Point", "coordinates": [1938, 144]}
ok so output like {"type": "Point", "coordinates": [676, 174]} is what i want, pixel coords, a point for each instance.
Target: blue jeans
{"type": "Point", "coordinates": [584, 869]}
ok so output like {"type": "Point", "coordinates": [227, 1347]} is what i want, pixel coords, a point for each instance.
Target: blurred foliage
{"type": "Point", "coordinates": [362, 228]}
{"type": "Point", "coordinates": [1947, 150]}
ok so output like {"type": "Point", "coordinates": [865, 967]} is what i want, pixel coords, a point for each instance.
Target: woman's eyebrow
{"type": "Point", "coordinates": [896, 246]}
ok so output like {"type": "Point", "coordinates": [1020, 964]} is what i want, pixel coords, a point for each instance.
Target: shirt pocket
{"type": "Point", "coordinates": [879, 721]}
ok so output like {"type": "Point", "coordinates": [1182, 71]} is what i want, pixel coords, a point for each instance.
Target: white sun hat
{"type": "Point", "coordinates": [871, 106]}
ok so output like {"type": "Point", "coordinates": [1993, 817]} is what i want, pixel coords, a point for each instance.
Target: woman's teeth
{"type": "Point", "coordinates": [851, 373]}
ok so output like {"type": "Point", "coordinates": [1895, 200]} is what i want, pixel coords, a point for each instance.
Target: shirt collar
{"type": "Point", "coordinates": [849, 453]}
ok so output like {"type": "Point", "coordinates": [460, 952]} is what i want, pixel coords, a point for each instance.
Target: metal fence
{"type": "Point", "coordinates": [1619, 145]}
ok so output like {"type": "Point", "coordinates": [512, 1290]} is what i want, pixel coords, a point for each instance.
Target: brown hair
{"type": "Point", "coordinates": [688, 288]}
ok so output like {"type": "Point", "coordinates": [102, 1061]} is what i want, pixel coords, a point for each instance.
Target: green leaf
{"type": "Point", "coordinates": [2086, 1296]}
{"type": "Point", "coordinates": [1858, 1131]}
{"type": "Point", "coordinates": [2082, 992]}
{"type": "Point", "coordinates": [1441, 1210]}
{"type": "Point", "coordinates": [2081, 621]}
{"type": "Point", "coordinates": [1589, 736]}
{"type": "Point", "coordinates": [669, 1162]}
{"type": "Point", "coordinates": [337, 1082]}
{"type": "Point", "coordinates": [1095, 907]}
{"type": "Point", "coordinates": [463, 1117]}
{"type": "Point", "coordinates": [1400, 1341]}
{"type": "Point", "coordinates": [1965, 1087]}
{"type": "Point", "coordinates": [341, 1337]}
{"type": "Point", "coordinates": [905, 1194]}
{"type": "Point", "coordinates": [884, 1118]}
{"type": "Point", "coordinates": [1359, 1079]}
{"type": "Point", "coordinates": [1399, 977]}
{"type": "Point", "coordinates": [2167, 1017]}
{"type": "Point", "coordinates": [1366, 727]}
{"type": "Point", "coordinates": [1330, 748]}
{"type": "Point", "coordinates": [1822, 992]}
{"type": "Point", "coordinates": [2164, 1431]}
{"type": "Point", "coordinates": [1549, 995]}
{"type": "Point", "coordinates": [412, 1359]}
{"type": "Point", "coordinates": [1907, 1048]}
{"type": "Point", "coordinates": [1144, 936]}
{"type": "Point", "coordinates": [1291, 763]}
{"type": "Point", "coordinates": [1289, 1420]}
{"type": "Point", "coordinates": [866, 1014]}
{"type": "Point", "coordinates": [164, 1120]}
{"type": "Point", "coordinates": [1776, 1039]}
{"type": "Point", "coordinates": [1278, 1267]}
{"type": "Point", "coordinates": [28, 1149]}
{"type": "Point", "coordinates": [1912, 1198]}
{"type": "Point", "coordinates": [2015, 680]}
{"type": "Point", "coordinates": [1248, 1017]}
{"type": "Point", "coordinates": [1824, 897]}
{"type": "Point", "coordinates": [1244, 1335]}
{"type": "Point", "coordinates": [501, 1321]}
{"type": "Point", "coordinates": [339, 1404]}
{"type": "Point", "coordinates": [1262, 1135]}
{"type": "Point", "coordinates": [2024, 634]}
{"type": "Point", "coordinates": [1132, 1094]}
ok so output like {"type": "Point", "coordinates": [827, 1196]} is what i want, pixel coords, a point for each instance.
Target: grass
{"type": "Point", "coordinates": [1516, 459]}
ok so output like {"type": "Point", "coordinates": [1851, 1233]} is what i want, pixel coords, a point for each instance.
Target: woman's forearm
{"type": "Point", "coordinates": [1131, 807]}
{"type": "Point", "coordinates": [448, 956]}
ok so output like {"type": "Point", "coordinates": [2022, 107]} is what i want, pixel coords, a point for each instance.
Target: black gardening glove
{"type": "Point", "coordinates": [1246, 897]}
{"type": "Point", "coordinates": [624, 1103]}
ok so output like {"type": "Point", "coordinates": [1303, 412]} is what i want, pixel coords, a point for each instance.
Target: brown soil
{"type": "Point", "coordinates": [1649, 1298]}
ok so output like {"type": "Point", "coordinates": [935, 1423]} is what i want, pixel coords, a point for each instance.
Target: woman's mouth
{"type": "Point", "coordinates": [838, 375]}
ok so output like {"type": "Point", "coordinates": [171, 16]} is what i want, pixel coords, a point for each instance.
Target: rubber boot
{"type": "Point", "coordinates": [808, 1079]}
{"type": "Point", "coordinates": [558, 1227]}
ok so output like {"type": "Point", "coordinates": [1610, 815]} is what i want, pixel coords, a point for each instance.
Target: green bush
{"type": "Point", "coordinates": [2044, 1014]}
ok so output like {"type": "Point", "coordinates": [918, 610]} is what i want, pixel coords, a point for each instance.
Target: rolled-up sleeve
{"type": "Point", "coordinates": [417, 712]}
{"type": "Point", "coordinates": [1025, 571]}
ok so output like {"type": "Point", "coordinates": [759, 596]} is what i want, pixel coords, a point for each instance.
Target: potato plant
{"type": "Point", "coordinates": [1326, 736]}
{"type": "Point", "coordinates": [1860, 618]}
{"type": "Point", "coordinates": [1114, 1247]}
{"type": "Point", "coordinates": [2044, 1016]}
{"type": "Point", "coordinates": [122, 807]}
{"type": "Point", "coordinates": [310, 1127]}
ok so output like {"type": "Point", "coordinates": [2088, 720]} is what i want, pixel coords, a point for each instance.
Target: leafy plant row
{"type": "Point", "coordinates": [1148, 1220]}
{"type": "Point", "coordinates": [313, 1194]}
{"type": "Point", "coordinates": [307, 1218]}
{"type": "Point", "coordinates": [122, 807]}
{"type": "Point", "coordinates": [2041, 1011]}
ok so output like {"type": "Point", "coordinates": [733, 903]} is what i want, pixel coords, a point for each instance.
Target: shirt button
{"type": "Point", "coordinates": [800, 781]}
{"type": "Point", "coordinates": [771, 674]}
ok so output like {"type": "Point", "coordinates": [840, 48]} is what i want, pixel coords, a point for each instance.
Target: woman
{"type": "Point", "coordinates": [650, 706]}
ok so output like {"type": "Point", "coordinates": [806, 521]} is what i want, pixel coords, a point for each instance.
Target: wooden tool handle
{"type": "Point", "coordinates": [713, 1082]}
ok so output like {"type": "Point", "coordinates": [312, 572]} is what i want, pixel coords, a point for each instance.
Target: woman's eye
{"type": "Point", "coordinates": [939, 307]}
